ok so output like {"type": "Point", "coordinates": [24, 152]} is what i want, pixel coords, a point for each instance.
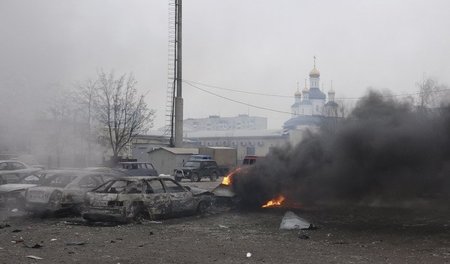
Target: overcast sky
{"type": "Point", "coordinates": [264, 46]}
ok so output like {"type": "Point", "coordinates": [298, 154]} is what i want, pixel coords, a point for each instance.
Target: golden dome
{"type": "Point", "coordinates": [314, 73]}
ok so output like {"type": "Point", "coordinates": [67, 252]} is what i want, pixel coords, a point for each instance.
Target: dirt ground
{"type": "Point", "coordinates": [345, 235]}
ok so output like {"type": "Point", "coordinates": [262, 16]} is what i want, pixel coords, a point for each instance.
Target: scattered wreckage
{"type": "Point", "coordinates": [129, 198]}
{"type": "Point", "coordinates": [64, 190]}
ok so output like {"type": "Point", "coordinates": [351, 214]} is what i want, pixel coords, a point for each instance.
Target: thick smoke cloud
{"type": "Point", "coordinates": [385, 150]}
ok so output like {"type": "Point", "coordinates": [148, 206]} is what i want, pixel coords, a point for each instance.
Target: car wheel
{"type": "Point", "coordinates": [202, 207]}
{"type": "Point", "coordinates": [195, 177]}
{"type": "Point", "coordinates": [213, 177]}
{"type": "Point", "coordinates": [135, 213]}
{"type": "Point", "coordinates": [178, 179]}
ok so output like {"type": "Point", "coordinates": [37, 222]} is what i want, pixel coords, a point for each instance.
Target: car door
{"type": "Point", "coordinates": [181, 199]}
{"type": "Point", "coordinates": [156, 200]}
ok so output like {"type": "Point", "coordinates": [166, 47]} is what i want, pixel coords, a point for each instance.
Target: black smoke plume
{"type": "Point", "coordinates": [385, 149]}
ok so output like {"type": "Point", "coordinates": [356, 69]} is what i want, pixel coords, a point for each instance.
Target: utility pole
{"type": "Point", "coordinates": [178, 98]}
{"type": "Point", "coordinates": [174, 104]}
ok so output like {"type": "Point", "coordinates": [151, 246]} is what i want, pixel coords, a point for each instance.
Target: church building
{"type": "Point", "coordinates": [311, 105]}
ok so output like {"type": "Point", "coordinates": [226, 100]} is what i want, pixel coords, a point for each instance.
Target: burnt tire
{"type": "Point", "coordinates": [195, 177]}
{"type": "Point", "coordinates": [202, 207]}
{"type": "Point", "coordinates": [213, 177]}
{"type": "Point", "coordinates": [135, 213]}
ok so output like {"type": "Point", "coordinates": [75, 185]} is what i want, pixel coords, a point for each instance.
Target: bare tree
{"type": "Point", "coordinates": [86, 97]}
{"type": "Point", "coordinates": [432, 94]}
{"type": "Point", "coordinates": [121, 111]}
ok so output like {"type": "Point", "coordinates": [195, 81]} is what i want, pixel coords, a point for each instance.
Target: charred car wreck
{"type": "Point", "coordinates": [64, 190]}
{"type": "Point", "coordinates": [131, 198]}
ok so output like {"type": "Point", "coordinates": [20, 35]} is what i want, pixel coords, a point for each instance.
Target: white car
{"type": "Point", "coordinates": [64, 190]}
{"type": "Point", "coordinates": [14, 171]}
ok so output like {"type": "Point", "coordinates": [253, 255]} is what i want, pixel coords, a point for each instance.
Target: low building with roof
{"type": "Point", "coordinates": [166, 159]}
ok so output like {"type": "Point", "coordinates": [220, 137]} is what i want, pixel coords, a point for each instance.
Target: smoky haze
{"type": "Point", "coordinates": [386, 150]}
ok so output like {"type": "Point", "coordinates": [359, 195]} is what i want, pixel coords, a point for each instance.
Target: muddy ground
{"type": "Point", "coordinates": [345, 235]}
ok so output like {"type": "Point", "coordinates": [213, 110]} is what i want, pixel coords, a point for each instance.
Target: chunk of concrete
{"type": "Point", "coordinates": [292, 221]}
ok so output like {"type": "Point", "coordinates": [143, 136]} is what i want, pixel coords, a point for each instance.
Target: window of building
{"type": "Point", "coordinates": [251, 151]}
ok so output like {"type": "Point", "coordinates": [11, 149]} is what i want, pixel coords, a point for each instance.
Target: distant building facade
{"type": "Point", "coordinates": [246, 142]}
{"type": "Point", "coordinates": [218, 123]}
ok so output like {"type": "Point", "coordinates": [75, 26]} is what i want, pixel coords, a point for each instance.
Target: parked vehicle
{"type": "Point", "coordinates": [64, 190]}
{"type": "Point", "coordinates": [130, 198]}
{"type": "Point", "coordinates": [13, 194]}
{"type": "Point", "coordinates": [225, 157]}
{"type": "Point", "coordinates": [134, 168]}
{"type": "Point", "coordinates": [14, 171]}
{"type": "Point", "coordinates": [195, 170]}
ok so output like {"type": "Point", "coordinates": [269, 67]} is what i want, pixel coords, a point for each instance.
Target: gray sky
{"type": "Point", "coordinates": [252, 45]}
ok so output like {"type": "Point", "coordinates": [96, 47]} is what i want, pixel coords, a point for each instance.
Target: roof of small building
{"type": "Point", "coordinates": [234, 133]}
{"type": "Point", "coordinates": [302, 120]}
{"type": "Point", "coordinates": [177, 151]}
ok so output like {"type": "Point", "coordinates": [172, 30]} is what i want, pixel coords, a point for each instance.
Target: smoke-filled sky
{"type": "Point", "coordinates": [256, 46]}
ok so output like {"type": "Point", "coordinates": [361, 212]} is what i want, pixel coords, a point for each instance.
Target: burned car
{"type": "Point", "coordinates": [63, 190]}
{"type": "Point", "coordinates": [135, 197]}
{"type": "Point", "coordinates": [14, 171]}
{"type": "Point", "coordinates": [13, 194]}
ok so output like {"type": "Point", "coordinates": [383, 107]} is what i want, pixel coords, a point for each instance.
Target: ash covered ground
{"type": "Point", "coordinates": [346, 234]}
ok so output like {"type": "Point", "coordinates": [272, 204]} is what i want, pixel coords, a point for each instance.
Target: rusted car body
{"type": "Point", "coordinates": [62, 190]}
{"type": "Point", "coordinates": [128, 198]}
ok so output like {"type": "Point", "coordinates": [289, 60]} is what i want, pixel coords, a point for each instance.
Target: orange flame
{"type": "Point", "coordinates": [228, 178]}
{"type": "Point", "coordinates": [278, 201]}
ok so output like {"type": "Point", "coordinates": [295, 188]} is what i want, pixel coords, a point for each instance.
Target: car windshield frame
{"type": "Point", "coordinates": [48, 181]}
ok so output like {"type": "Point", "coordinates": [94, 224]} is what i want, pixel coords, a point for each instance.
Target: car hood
{"type": "Point", "coordinates": [12, 187]}
{"type": "Point", "coordinates": [198, 191]}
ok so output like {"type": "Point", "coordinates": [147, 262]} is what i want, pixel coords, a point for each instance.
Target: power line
{"type": "Point", "coordinates": [190, 83]}
{"type": "Point", "coordinates": [237, 91]}
{"type": "Point", "coordinates": [287, 96]}
{"type": "Point", "coordinates": [236, 101]}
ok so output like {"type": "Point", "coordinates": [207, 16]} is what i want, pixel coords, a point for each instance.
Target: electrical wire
{"type": "Point", "coordinates": [287, 96]}
{"type": "Point", "coordinates": [190, 83]}
{"type": "Point", "coordinates": [236, 101]}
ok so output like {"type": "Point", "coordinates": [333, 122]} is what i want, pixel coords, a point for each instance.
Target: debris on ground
{"type": "Point", "coordinates": [249, 254]}
{"type": "Point", "coordinates": [4, 225]}
{"type": "Point", "coordinates": [303, 236]}
{"type": "Point", "coordinates": [33, 246]}
{"type": "Point", "coordinates": [53, 239]}
{"type": "Point", "coordinates": [34, 257]}
{"type": "Point", "coordinates": [292, 221]}
{"type": "Point", "coordinates": [16, 241]}
{"type": "Point", "coordinates": [223, 226]}
{"type": "Point", "coordinates": [310, 227]}
{"type": "Point", "coordinates": [75, 243]}
{"type": "Point", "coordinates": [16, 231]}
{"type": "Point", "coordinates": [15, 210]}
